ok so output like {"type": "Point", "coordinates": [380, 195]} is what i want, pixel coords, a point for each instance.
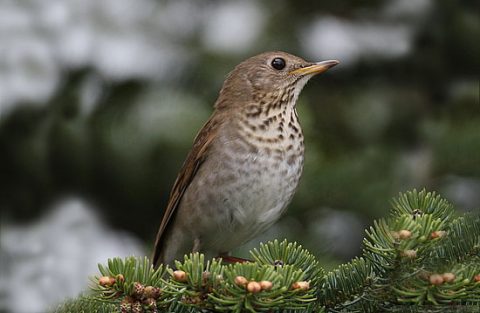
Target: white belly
{"type": "Point", "coordinates": [255, 199]}
{"type": "Point", "coordinates": [270, 186]}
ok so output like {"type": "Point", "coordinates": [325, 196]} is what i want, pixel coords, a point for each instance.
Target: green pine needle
{"type": "Point", "coordinates": [423, 258]}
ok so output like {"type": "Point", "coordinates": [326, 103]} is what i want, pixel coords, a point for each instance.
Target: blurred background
{"type": "Point", "coordinates": [100, 102]}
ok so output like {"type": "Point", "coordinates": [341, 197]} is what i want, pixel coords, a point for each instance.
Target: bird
{"type": "Point", "coordinates": [245, 163]}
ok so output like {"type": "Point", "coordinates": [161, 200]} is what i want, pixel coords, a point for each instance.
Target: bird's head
{"type": "Point", "coordinates": [268, 76]}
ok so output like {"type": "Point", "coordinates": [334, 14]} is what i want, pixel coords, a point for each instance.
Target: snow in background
{"type": "Point", "coordinates": [120, 39]}
{"type": "Point", "coordinates": [50, 260]}
{"type": "Point", "coordinates": [385, 35]}
{"type": "Point", "coordinates": [226, 28]}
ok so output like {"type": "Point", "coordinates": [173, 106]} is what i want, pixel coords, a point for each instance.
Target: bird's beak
{"type": "Point", "coordinates": [315, 68]}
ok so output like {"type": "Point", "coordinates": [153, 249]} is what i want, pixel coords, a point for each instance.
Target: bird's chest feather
{"type": "Point", "coordinates": [267, 188]}
{"type": "Point", "coordinates": [267, 170]}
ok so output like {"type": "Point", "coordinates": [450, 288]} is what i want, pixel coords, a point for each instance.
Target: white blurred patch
{"type": "Point", "coordinates": [28, 71]}
{"type": "Point", "coordinates": [50, 260]}
{"type": "Point", "coordinates": [386, 33]}
{"type": "Point", "coordinates": [412, 9]}
{"type": "Point", "coordinates": [120, 39]}
{"type": "Point", "coordinates": [181, 18]}
{"type": "Point", "coordinates": [349, 41]}
{"type": "Point", "coordinates": [233, 27]}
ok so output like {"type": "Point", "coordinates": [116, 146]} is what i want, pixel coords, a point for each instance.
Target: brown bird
{"type": "Point", "coordinates": [245, 163]}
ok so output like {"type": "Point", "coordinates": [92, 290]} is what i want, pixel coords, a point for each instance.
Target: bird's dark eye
{"type": "Point", "coordinates": [278, 63]}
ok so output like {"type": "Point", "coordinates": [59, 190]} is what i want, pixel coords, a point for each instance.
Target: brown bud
{"type": "Point", "coordinates": [266, 285]}
{"type": "Point", "coordinates": [404, 234]}
{"type": "Point", "coordinates": [395, 235]}
{"type": "Point", "coordinates": [241, 281]}
{"type": "Point", "coordinates": [424, 275]}
{"type": "Point", "coordinates": [157, 292]}
{"type": "Point", "coordinates": [125, 307]}
{"type": "Point", "coordinates": [438, 234]}
{"type": "Point", "coordinates": [436, 279]}
{"type": "Point", "coordinates": [191, 299]}
{"type": "Point", "coordinates": [150, 302]}
{"type": "Point", "coordinates": [411, 254]}
{"type": "Point", "coordinates": [302, 285]}
{"type": "Point", "coordinates": [254, 287]}
{"type": "Point", "coordinates": [106, 281]}
{"type": "Point", "coordinates": [152, 292]}
{"type": "Point", "coordinates": [448, 277]}
{"type": "Point", "coordinates": [148, 291]}
{"type": "Point", "coordinates": [180, 276]}
{"type": "Point", "coordinates": [138, 289]}
{"type": "Point", "coordinates": [476, 278]}
{"type": "Point", "coordinates": [137, 307]}
{"type": "Point", "coordinates": [120, 278]}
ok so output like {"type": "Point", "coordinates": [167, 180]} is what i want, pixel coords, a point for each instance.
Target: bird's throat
{"type": "Point", "coordinates": [276, 128]}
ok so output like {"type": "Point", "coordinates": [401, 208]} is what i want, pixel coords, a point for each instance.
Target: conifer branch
{"type": "Point", "coordinates": [423, 258]}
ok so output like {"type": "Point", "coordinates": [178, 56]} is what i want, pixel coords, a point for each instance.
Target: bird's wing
{"type": "Point", "coordinates": [190, 167]}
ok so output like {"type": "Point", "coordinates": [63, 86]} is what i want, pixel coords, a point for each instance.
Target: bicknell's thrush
{"type": "Point", "coordinates": [245, 163]}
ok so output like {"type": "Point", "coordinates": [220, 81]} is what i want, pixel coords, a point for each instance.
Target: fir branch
{"type": "Point", "coordinates": [422, 258]}
{"type": "Point", "coordinates": [461, 240]}
{"type": "Point", "coordinates": [285, 253]}
{"type": "Point", "coordinates": [416, 203]}
{"type": "Point", "coordinates": [347, 284]}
